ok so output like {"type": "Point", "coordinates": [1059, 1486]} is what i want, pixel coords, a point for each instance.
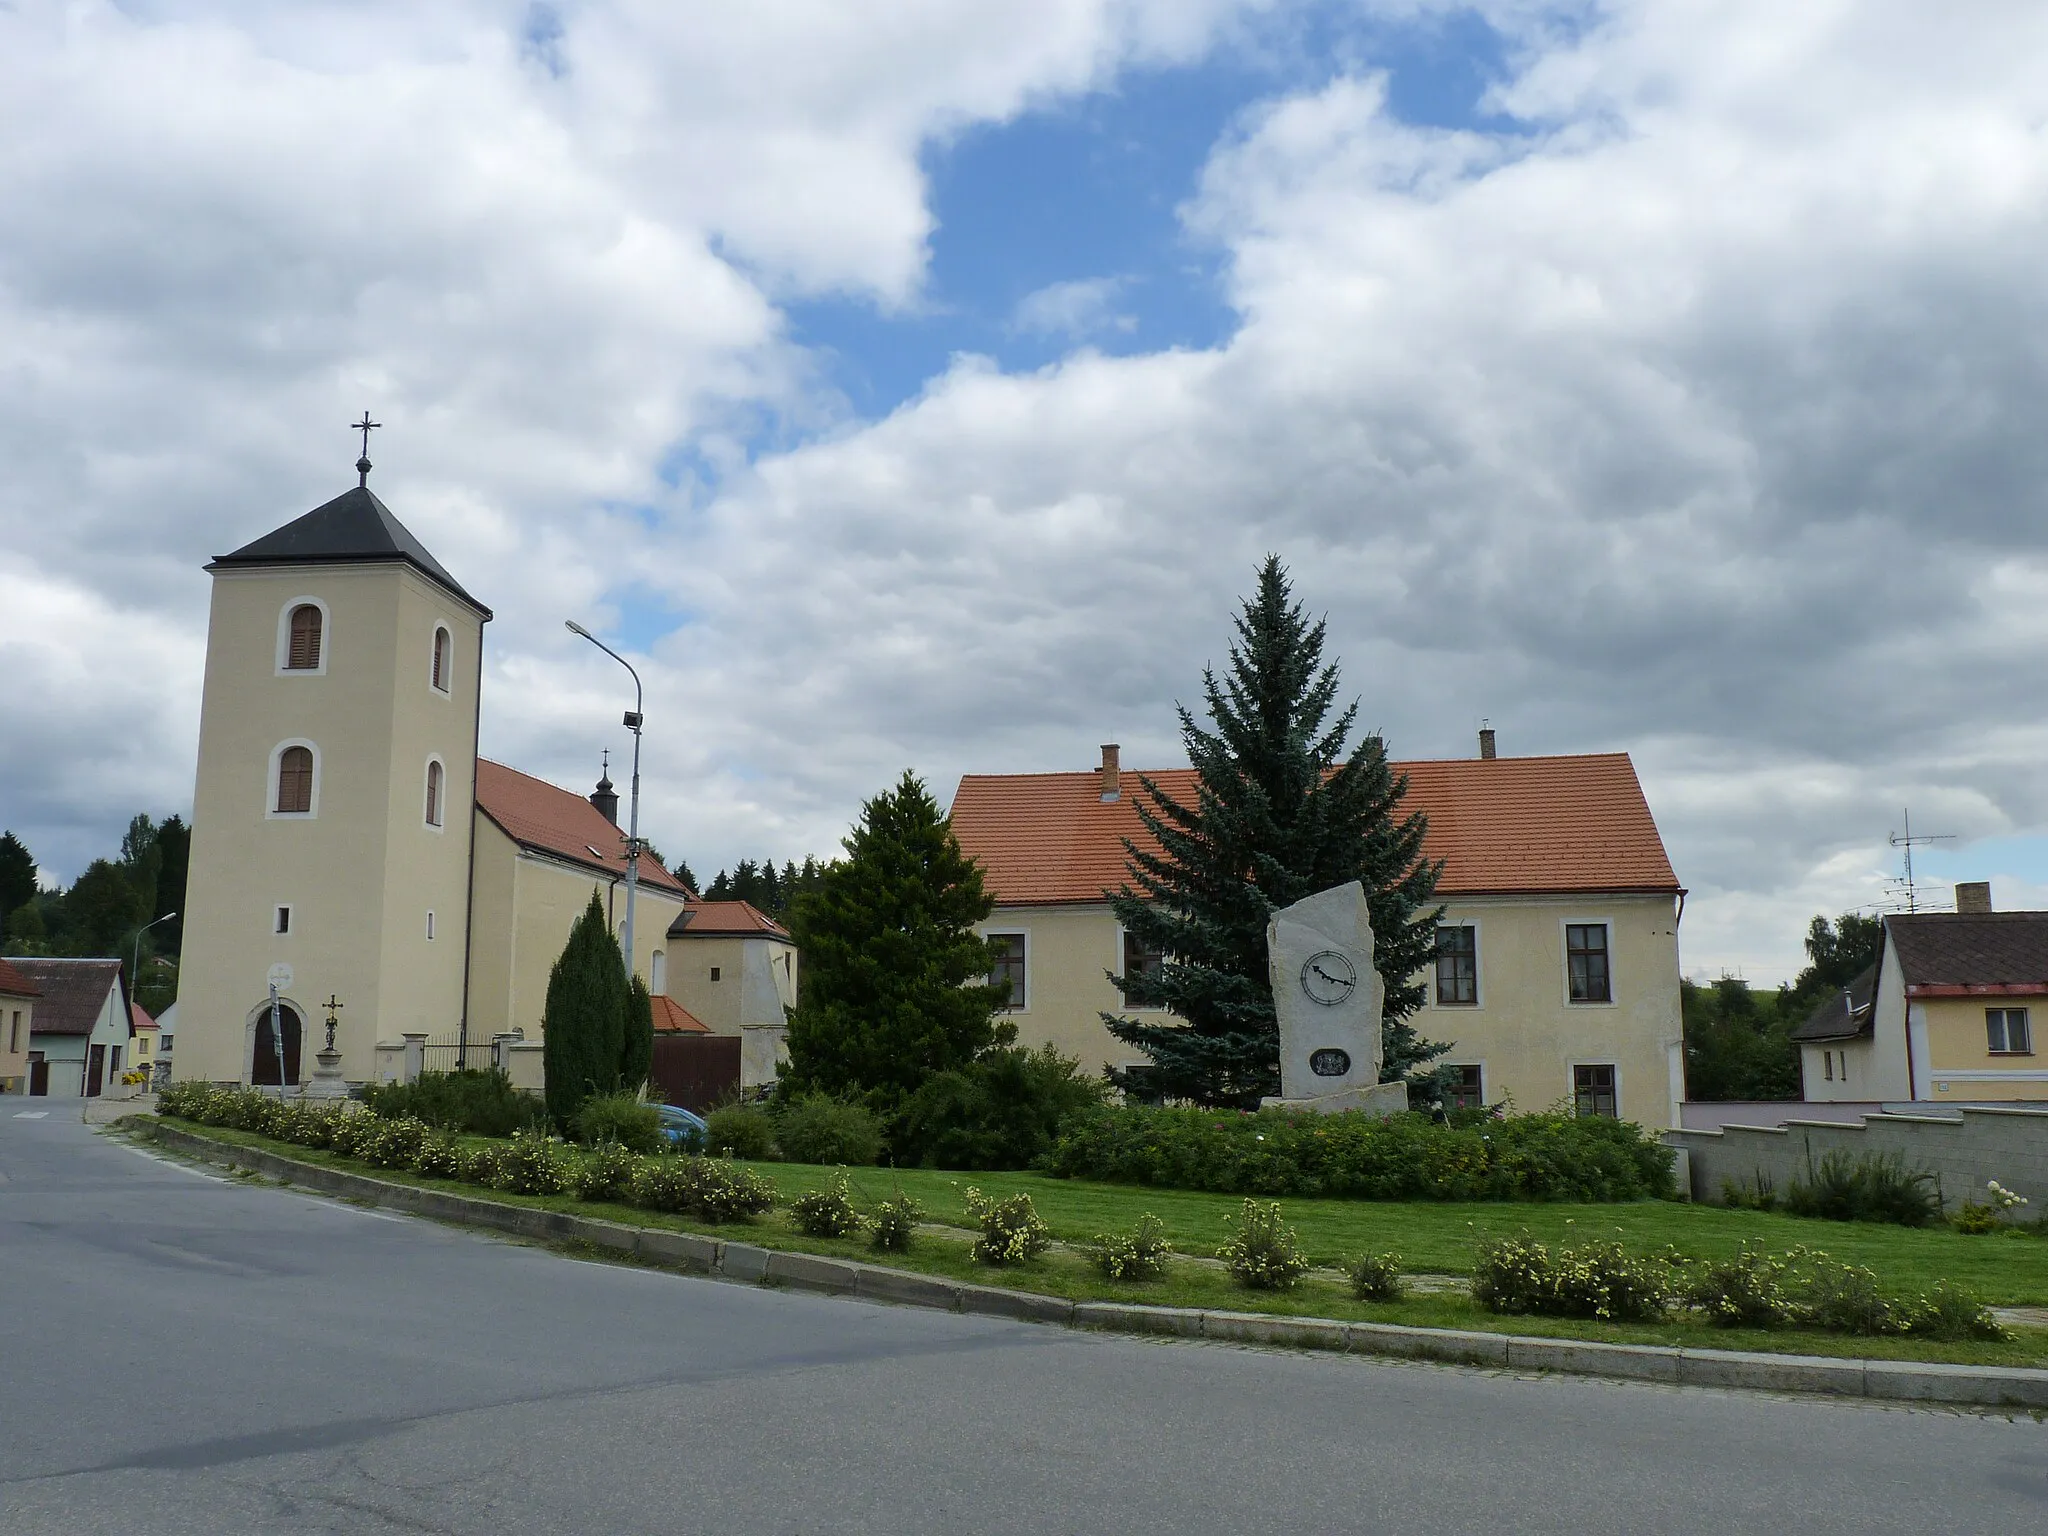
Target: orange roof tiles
{"type": "Point", "coordinates": [14, 984]}
{"type": "Point", "coordinates": [672, 1018]}
{"type": "Point", "coordinates": [1502, 825]}
{"type": "Point", "coordinates": [725, 919]}
{"type": "Point", "coordinates": [535, 814]}
{"type": "Point", "coordinates": [139, 1019]}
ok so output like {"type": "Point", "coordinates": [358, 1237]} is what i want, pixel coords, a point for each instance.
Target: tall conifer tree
{"type": "Point", "coordinates": [1284, 807]}
{"type": "Point", "coordinates": [584, 1023]}
{"type": "Point", "coordinates": [636, 1037]}
{"type": "Point", "coordinates": [895, 979]}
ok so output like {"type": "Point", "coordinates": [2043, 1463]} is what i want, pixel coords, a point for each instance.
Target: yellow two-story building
{"type": "Point", "coordinates": [1557, 976]}
{"type": "Point", "coordinates": [1946, 1016]}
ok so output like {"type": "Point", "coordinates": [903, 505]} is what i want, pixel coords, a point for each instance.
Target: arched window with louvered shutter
{"type": "Point", "coordinates": [302, 654]}
{"type": "Point", "coordinates": [444, 647]}
{"type": "Point", "coordinates": [434, 778]}
{"type": "Point", "coordinates": [295, 781]}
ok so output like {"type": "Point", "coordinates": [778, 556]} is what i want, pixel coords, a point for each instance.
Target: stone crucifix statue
{"type": "Point", "coordinates": [1329, 998]}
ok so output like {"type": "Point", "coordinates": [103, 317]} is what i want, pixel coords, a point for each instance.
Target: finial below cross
{"type": "Point", "coordinates": [365, 426]}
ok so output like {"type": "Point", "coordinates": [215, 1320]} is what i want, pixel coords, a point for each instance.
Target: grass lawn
{"type": "Point", "coordinates": [2005, 1269]}
{"type": "Point", "coordinates": [1076, 1211]}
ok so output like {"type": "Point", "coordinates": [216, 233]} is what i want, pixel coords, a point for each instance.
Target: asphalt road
{"type": "Point", "coordinates": [185, 1353]}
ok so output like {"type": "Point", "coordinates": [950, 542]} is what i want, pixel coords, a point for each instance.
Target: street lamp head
{"type": "Point", "coordinates": [632, 720]}
{"type": "Point", "coordinates": [578, 629]}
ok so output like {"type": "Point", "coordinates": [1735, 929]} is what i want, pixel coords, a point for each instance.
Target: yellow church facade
{"type": "Point", "coordinates": [348, 843]}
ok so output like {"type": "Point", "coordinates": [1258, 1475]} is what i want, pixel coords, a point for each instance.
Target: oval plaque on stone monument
{"type": "Point", "coordinates": [1330, 1062]}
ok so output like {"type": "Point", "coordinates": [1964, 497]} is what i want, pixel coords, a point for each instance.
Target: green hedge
{"type": "Point", "coordinates": [1357, 1156]}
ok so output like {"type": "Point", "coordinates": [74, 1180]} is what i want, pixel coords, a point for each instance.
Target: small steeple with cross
{"type": "Point", "coordinates": [366, 427]}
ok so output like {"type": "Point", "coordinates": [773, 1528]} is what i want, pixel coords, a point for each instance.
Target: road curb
{"type": "Point", "coordinates": [1820, 1375]}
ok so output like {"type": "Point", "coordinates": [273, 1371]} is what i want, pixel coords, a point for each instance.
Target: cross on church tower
{"type": "Point", "coordinates": [365, 426]}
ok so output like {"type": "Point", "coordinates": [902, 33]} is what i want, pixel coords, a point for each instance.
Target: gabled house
{"type": "Point", "coordinates": [734, 968]}
{"type": "Point", "coordinates": [1947, 1015]}
{"type": "Point", "coordinates": [78, 1037]}
{"type": "Point", "coordinates": [1557, 977]}
{"type": "Point", "coordinates": [17, 1022]}
{"type": "Point", "coordinates": [144, 1041]}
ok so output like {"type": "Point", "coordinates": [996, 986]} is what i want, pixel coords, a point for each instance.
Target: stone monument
{"type": "Point", "coordinates": [1329, 997]}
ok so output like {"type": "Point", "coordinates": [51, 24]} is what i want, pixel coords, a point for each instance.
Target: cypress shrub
{"type": "Point", "coordinates": [584, 1024]}
{"type": "Point", "coordinates": [636, 1037]}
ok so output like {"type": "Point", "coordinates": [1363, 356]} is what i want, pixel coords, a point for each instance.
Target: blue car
{"type": "Point", "coordinates": [684, 1130]}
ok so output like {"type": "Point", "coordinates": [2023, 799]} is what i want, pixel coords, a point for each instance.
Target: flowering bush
{"type": "Point", "coordinates": [1264, 1254]}
{"type": "Point", "coordinates": [392, 1143]}
{"type": "Point", "coordinates": [1399, 1157]}
{"type": "Point", "coordinates": [895, 1222]}
{"type": "Point", "coordinates": [1989, 1215]}
{"type": "Point", "coordinates": [826, 1212]}
{"type": "Point", "coordinates": [707, 1188]}
{"type": "Point", "coordinates": [1011, 1231]}
{"type": "Point", "coordinates": [605, 1173]}
{"type": "Point", "coordinates": [1747, 1291]}
{"type": "Point", "coordinates": [1377, 1277]}
{"type": "Point", "coordinates": [532, 1164]}
{"type": "Point", "coordinates": [439, 1156]}
{"type": "Point", "coordinates": [1139, 1254]}
{"type": "Point", "coordinates": [1603, 1280]}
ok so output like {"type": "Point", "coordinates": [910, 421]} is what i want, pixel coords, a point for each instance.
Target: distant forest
{"type": "Point", "coordinates": [107, 906]}
{"type": "Point", "coordinates": [1738, 1043]}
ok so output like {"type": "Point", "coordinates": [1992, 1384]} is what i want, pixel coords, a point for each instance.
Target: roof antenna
{"type": "Point", "coordinates": [365, 426]}
{"type": "Point", "coordinates": [1908, 840]}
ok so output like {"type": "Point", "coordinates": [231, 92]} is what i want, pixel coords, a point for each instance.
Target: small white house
{"type": "Point", "coordinates": [78, 1042]}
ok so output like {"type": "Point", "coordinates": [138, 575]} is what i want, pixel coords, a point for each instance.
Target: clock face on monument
{"type": "Point", "coordinates": [1328, 977]}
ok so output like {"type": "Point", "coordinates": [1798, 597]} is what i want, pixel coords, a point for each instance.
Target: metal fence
{"type": "Point", "coordinates": [444, 1053]}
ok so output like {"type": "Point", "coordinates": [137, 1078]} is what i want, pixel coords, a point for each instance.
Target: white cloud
{"type": "Point", "coordinates": [1695, 417]}
{"type": "Point", "coordinates": [1073, 311]}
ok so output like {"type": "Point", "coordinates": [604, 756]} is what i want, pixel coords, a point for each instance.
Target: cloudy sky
{"type": "Point", "coordinates": [920, 383]}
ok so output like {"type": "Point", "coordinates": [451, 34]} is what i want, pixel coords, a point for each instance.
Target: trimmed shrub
{"type": "Point", "coordinates": [1519, 1275]}
{"type": "Point", "coordinates": [532, 1164]}
{"type": "Point", "coordinates": [1357, 1156]}
{"type": "Point", "coordinates": [1871, 1187]}
{"type": "Point", "coordinates": [826, 1212]}
{"type": "Point", "coordinates": [1004, 1109]}
{"type": "Point", "coordinates": [1264, 1253]}
{"type": "Point", "coordinates": [605, 1173]}
{"type": "Point", "coordinates": [895, 1223]}
{"type": "Point", "coordinates": [1377, 1277]}
{"type": "Point", "coordinates": [739, 1130]}
{"type": "Point", "coordinates": [1011, 1231]}
{"type": "Point", "coordinates": [701, 1187]}
{"type": "Point", "coordinates": [815, 1129]}
{"type": "Point", "coordinates": [624, 1119]}
{"type": "Point", "coordinates": [474, 1101]}
{"type": "Point", "coordinates": [1139, 1254]}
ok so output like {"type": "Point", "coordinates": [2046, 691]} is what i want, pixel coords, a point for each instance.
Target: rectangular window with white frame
{"type": "Point", "coordinates": [2009, 1032]}
{"type": "Point", "coordinates": [1009, 968]}
{"type": "Point", "coordinates": [1140, 959]}
{"type": "Point", "coordinates": [1588, 969]}
{"type": "Point", "coordinates": [1457, 965]}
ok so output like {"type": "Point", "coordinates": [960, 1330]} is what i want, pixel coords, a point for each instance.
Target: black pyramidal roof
{"type": "Point", "coordinates": [353, 529]}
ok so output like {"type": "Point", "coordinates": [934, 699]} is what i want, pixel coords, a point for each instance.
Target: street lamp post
{"type": "Point", "coordinates": [633, 717]}
{"type": "Point", "coordinates": [135, 958]}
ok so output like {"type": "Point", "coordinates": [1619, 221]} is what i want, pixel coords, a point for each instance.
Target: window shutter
{"type": "Point", "coordinates": [304, 652]}
{"type": "Point", "coordinates": [433, 794]}
{"type": "Point", "coordinates": [295, 781]}
{"type": "Point", "coordinates": [441, 659]}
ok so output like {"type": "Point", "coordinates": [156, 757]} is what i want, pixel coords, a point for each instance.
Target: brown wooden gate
{"type": "Point", "coordinates": [95, 1073]}
{"type": "Point", "coordinates": [695, 1071]}
{"type": "Point", "coordinates": [38, 1075]}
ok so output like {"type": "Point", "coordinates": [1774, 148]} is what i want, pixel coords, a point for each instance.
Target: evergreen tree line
{"type": "Point", "coordinates": [104, 909]}
{"type": "Point", "coordinates": [763, 886]}
{"type": "Point", "coordinates": [1738, 1043]}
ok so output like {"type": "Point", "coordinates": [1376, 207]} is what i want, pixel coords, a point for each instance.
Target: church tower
{"type": "Point", "coordinates": [333, 810]}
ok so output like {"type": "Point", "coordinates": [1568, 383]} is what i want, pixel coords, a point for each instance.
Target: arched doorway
{"type": "Point", "coordinates": [263, 1056]}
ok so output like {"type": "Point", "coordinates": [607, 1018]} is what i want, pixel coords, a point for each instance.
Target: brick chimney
{"type": "Point", "coordinates": [1486, 741]}
{"type": "Point", "coordinates": [1112, 772]}
{"type": "Point", "coordinates": [1974, 896]}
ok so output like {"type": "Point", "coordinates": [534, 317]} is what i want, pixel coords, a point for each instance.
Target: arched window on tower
{"type": "Point", "coordinates": [443, 645]}
{"type": "Point", "coordinates": [303, 653]}
{"type": "Point", "coordinates": [433, 794]}
{"type": "Point", "coordinates": [295, 781]}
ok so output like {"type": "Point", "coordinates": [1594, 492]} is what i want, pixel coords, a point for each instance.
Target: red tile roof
{"type": "Point", "coordinates": [138, 1018]}
{"type": "Point", "coordinates": [724, 920]}
{"type": "Point", "coordinates": [672, 1018]}
{"type": "Point", "coordinates": [1505, 825]}
{"type": "Point", "coordinates": [537, 815]}
{"type": "Point", "coordinates": [14, 984]}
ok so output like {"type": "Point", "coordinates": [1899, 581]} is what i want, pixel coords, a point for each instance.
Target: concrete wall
{"type": "Point", "coordinates": [1711, 1116]}
{"type": "Point", "coordinates": [363, 870]}
{"type": "Point", "coordinates": [1525, 1034]}
{"type": "Point", "coordinates": [1963, 1149]}
{"type": "Point", "coordinates": [756, 980]}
